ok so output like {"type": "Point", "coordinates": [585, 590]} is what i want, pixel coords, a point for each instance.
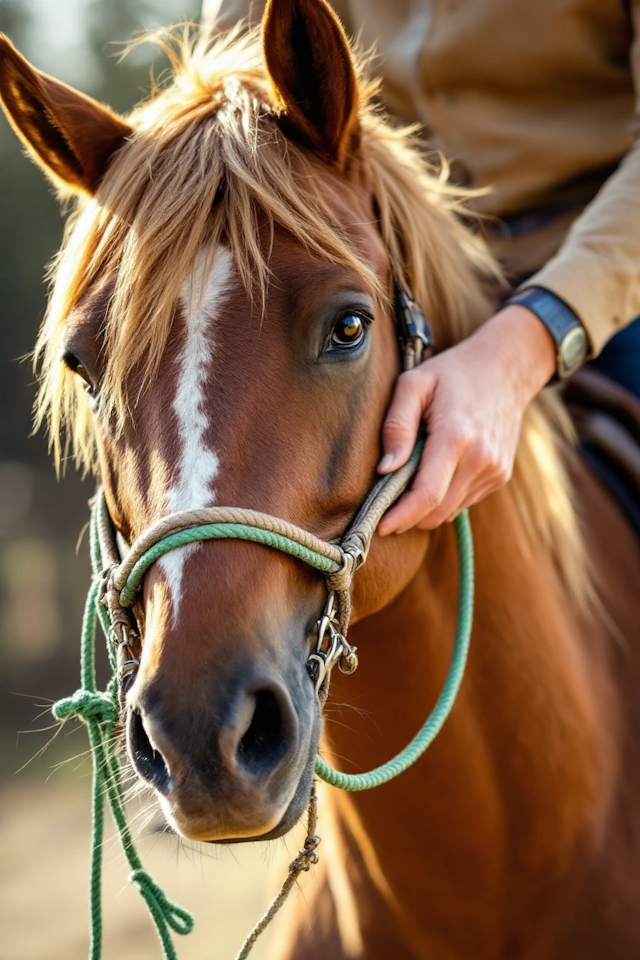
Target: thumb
{"type": "Point", "coordinates": [411, 397]}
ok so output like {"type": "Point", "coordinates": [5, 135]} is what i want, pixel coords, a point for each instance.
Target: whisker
{"type": "Point", "coordinates": [50, 726]}
{"type": "Point", "coordinates": [330, 706]}
{"type": "Point", "coordinates": [32, 696]}
{"type": "Point", "coordinates": [339, 756]}
{"type": "Point", "coordinates": [39, 752]}
{"type": "Point", "coordinates": [44, 708]}
{"type": "Point", "coordinates": [83, 530]}
{"type": "Point", "coordinates": [141, 823]}
{"type": "Point", "coordinates": [81, 757]}
{"type": "Point", "coordinates": [200, 850]}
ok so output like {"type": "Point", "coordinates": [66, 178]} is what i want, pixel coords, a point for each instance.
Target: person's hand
{"type": "Point", "coordinates": [472, 398]}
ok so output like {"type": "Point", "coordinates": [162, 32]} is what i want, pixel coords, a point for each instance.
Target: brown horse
{"type": "Point", "coordinates": [221, 331]}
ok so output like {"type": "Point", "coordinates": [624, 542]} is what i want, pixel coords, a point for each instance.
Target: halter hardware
{"type": "Point", "coordinates": [414, 330]}
{"type": "Point", "coordinates": [321, 662]}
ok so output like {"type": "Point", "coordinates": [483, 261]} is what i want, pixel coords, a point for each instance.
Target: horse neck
{"type": "Point", "coordinates": [519, 771]}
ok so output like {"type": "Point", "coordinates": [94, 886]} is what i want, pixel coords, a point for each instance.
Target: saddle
{"type": "Point", "coordinates": [607, 420]}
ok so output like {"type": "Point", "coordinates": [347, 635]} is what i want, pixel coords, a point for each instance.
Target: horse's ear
{"type": "Point", "coordinates": [71, 136]}
{"type": "Point", "coordinates": [309, 61]}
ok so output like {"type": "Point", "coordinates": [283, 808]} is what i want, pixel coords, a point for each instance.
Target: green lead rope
{"type": "Point", "coordinates": [100, 710]}
{"type": "Point", "coordinates": [435, 721]}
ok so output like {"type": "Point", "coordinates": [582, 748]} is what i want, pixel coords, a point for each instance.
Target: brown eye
{"type": "Point", "coordinates": [80, 370]}
{"type": "Point", "coordinates": [348, 331]}
{"type": "Point", "coordinates": [76, 367]}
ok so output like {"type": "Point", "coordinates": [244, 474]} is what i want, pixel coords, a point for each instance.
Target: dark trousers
{"type": "Point", "coordinates": [620, 359]}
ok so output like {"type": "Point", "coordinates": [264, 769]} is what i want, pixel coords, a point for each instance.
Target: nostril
{"type": "Point", "coordinates": [266, 740]}
{"type": "Point", "coordinates": [148, 761]}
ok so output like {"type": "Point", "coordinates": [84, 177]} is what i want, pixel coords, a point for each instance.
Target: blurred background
{"type": "Point", "coordinates": [44, 575]}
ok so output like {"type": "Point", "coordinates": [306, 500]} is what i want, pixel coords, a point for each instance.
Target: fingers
{"type": "Point", "coordinates": [473, 486]}
{"type": "Point", "coordinates": [473, 417]}
{"type": "Point", "coordinates": [452, 477]}
{"type": "Point", "coordinates": [429, 488]}
{"type": "Point", "coordinates": [478, 493]}
{"type": "Point", "coordinates": [469, 478]}
{"type": "Point", "coordinates": [411, 397]}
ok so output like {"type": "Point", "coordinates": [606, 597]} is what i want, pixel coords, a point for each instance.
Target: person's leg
{"type": "Point", "coordinates": [620, 359]}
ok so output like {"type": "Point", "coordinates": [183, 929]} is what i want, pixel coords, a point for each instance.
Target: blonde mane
{"type": "Point", "coordinates": [207, 160]}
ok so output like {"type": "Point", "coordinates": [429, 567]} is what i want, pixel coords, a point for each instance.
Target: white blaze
{"type": "Point", "coordinates": [198, 466]}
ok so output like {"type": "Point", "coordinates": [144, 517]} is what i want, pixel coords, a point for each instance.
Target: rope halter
{"type": "Point", "coordinates": [338, 562]}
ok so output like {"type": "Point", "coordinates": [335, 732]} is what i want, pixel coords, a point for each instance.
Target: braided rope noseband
{"type": "Point", "coordinates": [338, 561]}
{"type": "Point", "coordinates": [114, 589]}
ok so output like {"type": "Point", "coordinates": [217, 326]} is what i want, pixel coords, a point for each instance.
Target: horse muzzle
{"type": "Point", "coordinates": [233, 771]}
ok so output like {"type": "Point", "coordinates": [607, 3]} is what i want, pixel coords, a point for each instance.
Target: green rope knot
{"type": "Point", "coordinates": [160, 907]}
{"type": "Point", "coordinates": [87, 705]}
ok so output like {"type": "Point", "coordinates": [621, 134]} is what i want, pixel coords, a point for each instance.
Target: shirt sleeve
{"type": "Point", "coordinates": [597, 269]}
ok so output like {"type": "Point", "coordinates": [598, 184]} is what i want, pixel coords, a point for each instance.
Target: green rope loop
{"type": "Point", "coordinates": [179, 919]}
{"type": "Point", "coordinates": [434, 723]}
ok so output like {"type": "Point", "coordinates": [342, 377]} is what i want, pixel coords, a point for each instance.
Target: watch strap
{"type": "Point", "coordinates": [562, 323]}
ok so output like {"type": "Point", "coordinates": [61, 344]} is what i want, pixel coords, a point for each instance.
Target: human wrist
{"type": "Point", "coordinates": [524, 347]}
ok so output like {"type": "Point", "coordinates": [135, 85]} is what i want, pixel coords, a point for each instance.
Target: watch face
{"type": "Point", "coordinates": [572, 352]}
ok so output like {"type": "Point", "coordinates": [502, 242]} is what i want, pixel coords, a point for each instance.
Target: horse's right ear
{"type": "Point", "coordinates": [310, 66]}
{"type": "Point", "coordinates": [70, 135]}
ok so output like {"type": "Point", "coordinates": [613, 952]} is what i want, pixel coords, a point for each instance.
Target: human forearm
{"type": "Point", "coordinates": [597, 269]}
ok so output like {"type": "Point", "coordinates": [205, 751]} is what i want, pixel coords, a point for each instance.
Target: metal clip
{"type": "Point", "coordinates": [126, 660]}
{"type": "Point", "coordinates": [331, 647]}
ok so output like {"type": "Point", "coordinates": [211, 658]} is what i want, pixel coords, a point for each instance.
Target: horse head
{"type": "Point", "coordinates": [221, 331]}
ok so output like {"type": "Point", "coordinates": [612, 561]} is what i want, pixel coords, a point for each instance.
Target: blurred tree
{"type": "Point", "coordinates": [30, 228]}
{"type": "Point", "coordinates": [14, 19]}
{"type": "Point", "coordinates": [124, 81]}
{"type": "Point", "coordinates": [30, 219]}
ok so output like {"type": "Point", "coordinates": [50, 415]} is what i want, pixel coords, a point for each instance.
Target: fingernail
{"type": "Point", "coordinates": [387, 462]}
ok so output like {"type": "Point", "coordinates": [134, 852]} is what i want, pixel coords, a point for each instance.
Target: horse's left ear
{"type": "Point", "coordinates": [70, 135]}
{"type": "Point", "coordinates": [309, 61]}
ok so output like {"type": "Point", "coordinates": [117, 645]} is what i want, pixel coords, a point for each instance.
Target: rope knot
{"type": "Point", "coordinates": [87, 705]}
{"type": "Point", "coordinates": [307, 857]}
{"type": "Point", "coordinates": [160, 907]}
{"type": "Point", "coordinates": [340, 580]}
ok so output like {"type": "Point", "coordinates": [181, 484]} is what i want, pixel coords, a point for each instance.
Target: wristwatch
{"type": "Point", "coordinates": [572, 343]}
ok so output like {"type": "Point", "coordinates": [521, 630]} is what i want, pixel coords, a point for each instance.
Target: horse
{"type": "Point", "coordinates": [221, 331]}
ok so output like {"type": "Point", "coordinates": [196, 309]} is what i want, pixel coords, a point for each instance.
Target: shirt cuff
{"type": "Point", "coordinates": [560, 285]}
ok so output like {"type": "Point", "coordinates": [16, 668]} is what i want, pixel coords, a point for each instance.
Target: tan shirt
{"type": "Point", "coordinates": [538, 101]}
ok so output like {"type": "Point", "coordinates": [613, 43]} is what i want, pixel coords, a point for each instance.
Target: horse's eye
{"type": "Point", "coordinates": [74, 365]}
{"type": "Point", "coordinates": [348, 331]}
{"type": "Point", "coordinates": [80, 370]}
